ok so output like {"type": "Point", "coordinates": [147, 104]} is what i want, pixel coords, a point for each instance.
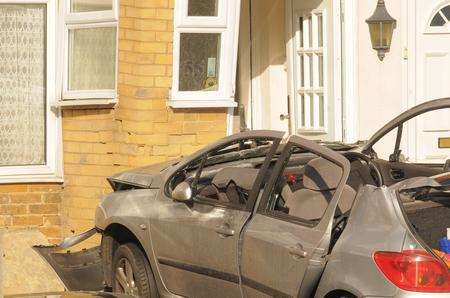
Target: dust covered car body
{"type": "Point", "coordinates": [259, 214]}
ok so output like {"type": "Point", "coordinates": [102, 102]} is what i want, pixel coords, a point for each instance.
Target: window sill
{"type": "Point", "coordinates": [32, 174]}
{"type": "Point", "coordinates": [86, 103]}
{"type": "Point", "coordinates": [31, 178]}
{"type": "Point", "coordinates": [219, 103]}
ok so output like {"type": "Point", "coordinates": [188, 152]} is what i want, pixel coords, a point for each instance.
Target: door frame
{"type": "Point", "coordinates": [345, 64]}
{"type": "Point", "coordinates": [410, 35]}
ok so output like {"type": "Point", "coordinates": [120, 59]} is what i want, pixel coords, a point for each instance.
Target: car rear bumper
{"type": "Point", "coordinates": [406, 294]}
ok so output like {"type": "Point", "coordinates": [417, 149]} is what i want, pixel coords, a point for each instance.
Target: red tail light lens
{"type": "Point", "coordinates": [414, 270]}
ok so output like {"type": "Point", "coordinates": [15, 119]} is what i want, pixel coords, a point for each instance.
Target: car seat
{"type": "Point", "coordinates": [320, 180]}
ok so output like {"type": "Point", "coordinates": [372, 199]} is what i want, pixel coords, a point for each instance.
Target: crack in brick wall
{"type": "Point", "coordinates": [141, 129]}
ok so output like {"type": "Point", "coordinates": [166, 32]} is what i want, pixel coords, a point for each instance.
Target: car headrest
{"type": "Point", "coordinates": [243, 177]}
{"type": "Point", "coordinates": [322, 175]}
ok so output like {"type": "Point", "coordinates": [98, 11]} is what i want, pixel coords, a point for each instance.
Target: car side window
{"type": "Point", "coordinates": [226, 175]}
{"type": "Point", "coordinates": [230, 172]}
{"type": "Point", "coordinates": [305, 187]}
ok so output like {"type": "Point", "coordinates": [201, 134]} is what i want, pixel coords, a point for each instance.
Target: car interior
{"type": "Point", "coordinates": [308, 183]}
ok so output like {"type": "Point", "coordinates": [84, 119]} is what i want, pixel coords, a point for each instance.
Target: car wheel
{"type": "Point", "coordinates": [132, 274]}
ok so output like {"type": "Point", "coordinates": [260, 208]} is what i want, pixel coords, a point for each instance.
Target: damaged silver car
{"type": "Point", "coordinates": [260, 215]}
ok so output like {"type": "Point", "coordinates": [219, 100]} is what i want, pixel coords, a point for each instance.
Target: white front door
{"type": "Point", "coordinates": [432, 132]}
{"type": "Point", "coordinates": [268, 69]}
{"type": "Point", "coordinates": [315, 69]}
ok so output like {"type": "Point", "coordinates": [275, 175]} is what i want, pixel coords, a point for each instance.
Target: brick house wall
{"type": "Point", "coordinates": [141, 129]}
{"type": "Point", "coordinates": [98, 142]}
{"type": "Point", "coordinates": [32, 206]}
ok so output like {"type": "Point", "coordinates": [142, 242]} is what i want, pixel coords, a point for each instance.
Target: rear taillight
{"type": "Point", "coordinates": [414, 270]}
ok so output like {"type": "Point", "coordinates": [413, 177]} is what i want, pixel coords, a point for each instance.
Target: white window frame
{"type": "Point", "coordinates": [77, 20]}
{"type": "Point", "coordinates": [226, 24]}
{"type": "Point", "coordinates": [311, 89]}
{"type": "Point", "coordinates": [445, 29]}
{"type": "Point", "coordinates": [52, 170]}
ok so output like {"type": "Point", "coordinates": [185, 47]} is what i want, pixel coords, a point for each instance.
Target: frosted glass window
{"type": "Point", "coordinates": [22, 84]}
{"type": "Point", "coordinates": [90, 5]}
{"type": "Point", "coordinates": [92, 58]}
{"type": "Point", "coordinates": [207, 8]}
{"type": "Point", "coordinates": [199, 61]}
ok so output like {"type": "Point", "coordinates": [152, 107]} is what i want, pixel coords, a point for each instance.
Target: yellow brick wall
{"type": "Point", "coordinates": [141, 129]}
{"type": "Point", "coordinates": [32, 206]}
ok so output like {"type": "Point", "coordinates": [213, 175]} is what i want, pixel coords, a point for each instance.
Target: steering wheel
{"type": "Point", "coordinates": [374, 171]}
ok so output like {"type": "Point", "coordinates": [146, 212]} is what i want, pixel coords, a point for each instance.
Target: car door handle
{"type": "Point", "coordinates": [224, 230]}
{"type": "Point", "coordinates": [298, 252]}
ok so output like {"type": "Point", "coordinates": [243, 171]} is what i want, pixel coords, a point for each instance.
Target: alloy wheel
{"type": "Point", "coordinates": [124, 278]}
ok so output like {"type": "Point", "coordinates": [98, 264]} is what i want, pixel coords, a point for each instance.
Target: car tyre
{"type": "Point", "coordinates": [131, 272]}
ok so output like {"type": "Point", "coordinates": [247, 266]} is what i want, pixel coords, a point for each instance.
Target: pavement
{"type": "Point", "coordinates": [22, 270]}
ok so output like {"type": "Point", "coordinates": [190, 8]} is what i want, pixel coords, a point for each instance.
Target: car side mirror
{"type": "Point", "coordinates": [182, 192]}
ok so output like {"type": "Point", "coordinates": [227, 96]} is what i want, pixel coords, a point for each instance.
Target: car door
{"type": "Point", "coordinates": [283, 254]}
{"type": "Point", "coordinates": [196, 243]}
{"type": "Point", "coordinates": [394, 136]}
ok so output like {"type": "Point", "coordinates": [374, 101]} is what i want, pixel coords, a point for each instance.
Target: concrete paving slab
{"type": "Point", "coordinates": [22, 270]}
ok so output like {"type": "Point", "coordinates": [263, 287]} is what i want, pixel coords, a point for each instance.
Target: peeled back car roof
{"type": "Point", "coordinates": [428, 106]}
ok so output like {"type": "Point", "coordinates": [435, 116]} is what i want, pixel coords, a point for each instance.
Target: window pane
{"type": "Point", "coordinates": [446, 12]}
{"type": "Point", "coordinates": [320, 29]}
{"type": "Point", "coordinates": [300, 32]}
{"type": "Point", "coordinates": [311, 110]}
{"type": "Point", "coordinates": [199, 61]}
{"type": "Point", "coordinates": [320, 70]}
{"type": "Point", "coordinates": [310, 31]}
{"type": "Point", "coordinates": [90, 5]}
{"type": "Point", "coordinates": [207, 8]}
{"type": "Point", "coordinates": [302, 70]}
{"type": "Point", "coordinates": [302, 103]}
{"type": "Point", "coordinates": [311, 70]}
{"type": "Point", "coordinates": [22, 84]}
{"type": "Point", "coordinates": [321, 111]}
{"type": "Point", "coordinates": [437, 21]}
{"type": "Point", "coordinates": [92, 58]}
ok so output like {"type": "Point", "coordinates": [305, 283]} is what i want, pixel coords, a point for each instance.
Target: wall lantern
{"type": "Point", "coordinates": [381, 27]}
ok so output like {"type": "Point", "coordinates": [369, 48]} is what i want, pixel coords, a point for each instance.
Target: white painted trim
{"type": "Point", "coordinates": [411, 92]}
{"type": "Point", "coordinates": [427, 29]}
{"type": "Point", "coordinates": [406, 60]}
{"type": "Point", "coordinates": [230, 121]}
{"type": "Point", "coordinates": [86, 102]}
{"type": "Point", "coordinates": [237, 13]}
{"type": "Point", "coordinates": [52, 170]}
{"type": "Point", "coordinates": [337, 70]}
{"type": "Point", "coordinates": [350, 72]}
{"type": "Point", "coordinates": [215, 103]}
{"type": "Point", "coordinates": [291, 71]}
{"type": "Point", "coordinates": [88, 94]}
{"type": "Point", "coordinates": [183, 20]}
{"type": "Point", "coordinates": [227, 24]}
